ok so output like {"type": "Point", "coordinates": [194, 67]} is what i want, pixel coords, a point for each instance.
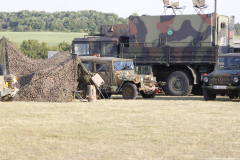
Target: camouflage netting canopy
{"type": "Point", "coordinates": [51, 80]}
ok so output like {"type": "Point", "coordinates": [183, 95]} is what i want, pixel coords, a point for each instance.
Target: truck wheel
{"type": "Point", "coordinates": [233, 95]}
{"type": "Point", "coordinates": [8, 99]}
{"type": "Point", "coordinates": [178, 84]}
{"type": "Point", "coordinates": [129, 91]}
{"type": "Point", "coordinates": [106, 95]}
{"type": "Point", "coordinates": [197, 90]}
{"type": "Point", "coordinates": [208, 95]}
{"type": "Point", "coordinates": [144, 95]}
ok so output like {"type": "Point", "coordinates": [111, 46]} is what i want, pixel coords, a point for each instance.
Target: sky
{"type": "Point", "coordinates": [123, 8]}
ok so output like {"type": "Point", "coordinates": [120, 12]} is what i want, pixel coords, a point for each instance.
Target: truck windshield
{"type": "Point", "coordinates": [228, 63]}
{"type": "Point", "coordinates": [81, 49]}
{"type": "Point", "coordinates": [88, 66]}
{"type": "Point", "coordinates": [123, 65]}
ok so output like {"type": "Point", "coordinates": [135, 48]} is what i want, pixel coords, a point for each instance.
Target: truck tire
{"type": "Point", "coordinates": [233, 95]}
{"type": "Point", "coordinates": [8, 99]}
{"type": "Point", "coordinates": [106, 95]}
{"type": "Point", "coordinates": [208, 96]}
{"type": "Point", "coordinates": [129, 91]}
{"type": "Point", "coordinates": [144, 95]}
{"type": "Point", "coordinates": [178, 84]}
{"type": "Point", "coordinates": [197, 90]}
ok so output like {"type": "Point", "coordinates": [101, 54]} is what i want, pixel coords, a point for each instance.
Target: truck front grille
{"type": "Point", "coordinates": [220, 80]}
{"type": "Point", "coordinates": [147, 81]}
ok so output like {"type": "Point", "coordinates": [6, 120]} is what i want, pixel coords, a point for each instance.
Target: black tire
{"type": "Point", "coordinates": [178, 84]}
{"type": "Point", "coordinates": [9, 99]}
{"type": "Point", "coordinates": [233, 95]}
{"type": "Point", "coordinates": [165, 90]}
{"type": "Point", "coordinates": [106, 95]}
{"type": "Point", "coordinates": [129, 91]}
{"type": "Point", "coordinates": [197, 90]}
{"type": "Point", "coordinates": [152, 95]}
{"type": "Point", "coordinates": [208, 96]}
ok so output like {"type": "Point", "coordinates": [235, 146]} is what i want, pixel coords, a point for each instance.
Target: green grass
{"type": "Point", "coordinates": [236, 37]}
{"type": "Point", "coordinates": [162, 128]}
{"type": "Point", "coordinates": [52, 38]}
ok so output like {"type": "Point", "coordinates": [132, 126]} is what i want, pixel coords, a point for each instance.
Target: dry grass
{"type": "Point", "coordinates": [163, 128]}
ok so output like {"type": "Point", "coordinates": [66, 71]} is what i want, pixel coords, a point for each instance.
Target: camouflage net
{"type": "Point", "coordinates": [51, 80]}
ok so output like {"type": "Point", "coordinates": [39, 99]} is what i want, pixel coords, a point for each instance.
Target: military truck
{"type": "Point", "coordinates": [8, 89]}
{"type": "Point", "coordinates": [225, 79]}
{"type": "Point", "coordinates": [176, 49]}
{"type": "Point", "coordinates": [119, 77]}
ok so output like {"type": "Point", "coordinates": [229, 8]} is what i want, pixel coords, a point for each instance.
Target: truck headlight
{"type": "Point", "coordinates": [205, 79]}
{"type": "Point", "coordinates": [14, 79]}
{"type": "Point", "coordinates": [235, 79]}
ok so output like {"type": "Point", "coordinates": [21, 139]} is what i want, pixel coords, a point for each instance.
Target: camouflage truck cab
{"type": "Point", "coordinates": [8, 89]}
{"type": "Point", "coordinates": [225, 79]}
{"type": "Point", "coordinates": [179, 49]}
{"type": "Point", "coordinates": [119, 77]}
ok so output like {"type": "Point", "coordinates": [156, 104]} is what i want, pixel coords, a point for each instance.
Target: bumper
{"type": "Point", "coordinates": [147, 89]}
{"type": "Point", "coordinates": [6, 92]}
{"type": "Point", "coordinates": [225, 89]}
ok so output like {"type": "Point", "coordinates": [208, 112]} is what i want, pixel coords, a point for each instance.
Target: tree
{"type": "Point", "coordinates": [58, 21]}
{"type": "Point", "coordinates": [19, 28]}
{"type": "Point", "coordinates": [63, 46]}
{"type": "Point", "coordinates": [33, 49]}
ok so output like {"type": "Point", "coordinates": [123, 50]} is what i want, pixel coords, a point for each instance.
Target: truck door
{"type": "Point", "coordinates": [108, 49]}
{"type": "Point", "coordinates": [223, 23]}
{"type": "Point", "coordinates": [104, 71]}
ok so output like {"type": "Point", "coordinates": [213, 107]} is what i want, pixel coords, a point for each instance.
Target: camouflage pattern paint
{"type": "Point", "coordinates": [177, 39]}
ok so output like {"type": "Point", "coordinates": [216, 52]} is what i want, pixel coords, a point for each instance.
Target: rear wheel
{"type": "Point", "coordinates": [208, 96]}
{"type": "Point", "coordinates": [129, 91]}
{"type": "Point", "coordinates": [178, 84]}
{"type": "Point", "coordinates": [151, 95]}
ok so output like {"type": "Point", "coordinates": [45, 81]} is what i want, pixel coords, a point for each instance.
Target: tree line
{"type": "Point", "coordinates": [66, 21]}
{"type": "Point", "coordinates": [36, 50]}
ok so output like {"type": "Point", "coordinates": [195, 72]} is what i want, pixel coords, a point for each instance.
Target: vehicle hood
{"type": "Point", "coordinates": [224, 72]}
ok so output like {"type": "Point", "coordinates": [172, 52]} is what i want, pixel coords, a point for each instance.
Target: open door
{"type": "Point", "coordinates": [223, 24]}
{"type": "Point", "coordinates": [104, 71]}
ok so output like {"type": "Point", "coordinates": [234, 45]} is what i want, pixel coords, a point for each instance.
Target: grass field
{"type": "Point", "coordinates": [162, 128]}
{"type": "Point", "coordinates": [52, 38]}
{"type": "Point", "coordinates": [237, 37]}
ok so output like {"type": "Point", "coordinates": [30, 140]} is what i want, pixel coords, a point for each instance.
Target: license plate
{"type": "Point", "coordinates": [219, 87]}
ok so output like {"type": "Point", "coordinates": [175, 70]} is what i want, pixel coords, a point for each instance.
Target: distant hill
{"type": "Point", "coordinates": [27, 21]}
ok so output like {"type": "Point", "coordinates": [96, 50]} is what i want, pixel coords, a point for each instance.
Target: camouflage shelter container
{"type": "Point", "coordinates": [180, 30]}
